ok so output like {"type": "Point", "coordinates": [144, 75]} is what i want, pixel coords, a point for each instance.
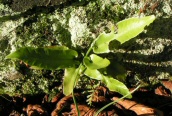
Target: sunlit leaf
{"type": "Point", "coordinates": [127, 29]}
{"type": "Point", "coordinates": [130, 28]}
{"type": "Point", "coordinates": [96, 62]}
{"type": "Point", "coordinates": [46, 58]}
{"type": "Point", "coordinates": [93, 74]}
{"type": "Point", "coordinates": [101, 44]}
{"type": "Point", "coordinates": [115, 85]}
{"type": "Point", "coordinates": [69, 80]}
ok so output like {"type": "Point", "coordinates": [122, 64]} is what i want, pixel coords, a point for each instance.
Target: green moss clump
{"type": "Point", "coordinates": [32, 82]}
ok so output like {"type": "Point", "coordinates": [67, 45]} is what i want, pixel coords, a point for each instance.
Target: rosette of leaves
{"type": "Point", "coordinates": [92, 64]}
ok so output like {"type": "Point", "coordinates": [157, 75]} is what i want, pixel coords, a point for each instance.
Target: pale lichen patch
{"type": "Point", "coordinates": [78, 26]}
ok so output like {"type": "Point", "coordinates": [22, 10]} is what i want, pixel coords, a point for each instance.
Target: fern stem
{"type": "Point", "coordinates": [89, 50]}
{"type": "Point", "coordinates": [6, 98]}
{"type": "Point", "coordinates": [76, 78]}
{"type": "Point", "coordinates": [74, 100]}
{"type": "Point", "coordinates": [76, 105]}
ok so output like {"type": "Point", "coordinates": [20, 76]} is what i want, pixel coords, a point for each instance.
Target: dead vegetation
{"type": "Point", "coordinates": [145, 102]}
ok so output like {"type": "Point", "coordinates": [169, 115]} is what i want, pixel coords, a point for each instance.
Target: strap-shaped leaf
{"type": "Point", "coordinates": [115, 85]}
{"type": "Point", "coordinates": [131, 27]}
{"type": "Point", "coordinates": [127, 29]}
{"type": "Point", "coordinates": [93, 74]}
{"type": "Point", "coordinates": [96, 62]}
{"type": "Point", "coordinates": [47, 58]}
{"type": "Point", "coordinates": [69, 80]}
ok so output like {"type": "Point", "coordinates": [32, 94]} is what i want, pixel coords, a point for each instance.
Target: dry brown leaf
{"type": "Point", "coordinates": [162, 91]}
{"type": "Point", "coordinates": [64, 102]}
{"type": "Point", "coordinates": [167, 84]}
{"type": "Point", "coordinates": [56, 98]}
{"type": "Point", "coordinates": [89, 111]}
{"type": "Point", "coordinates": [33, 110]}
{"type": "Point", "coordinates": [139, 109]}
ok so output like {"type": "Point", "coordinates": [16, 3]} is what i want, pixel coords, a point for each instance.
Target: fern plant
{"type": "Point", "coordinates": [91, 64]}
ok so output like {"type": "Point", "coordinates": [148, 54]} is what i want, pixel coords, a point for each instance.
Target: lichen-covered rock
{"type": "Point", "coordinates": [75, 26]}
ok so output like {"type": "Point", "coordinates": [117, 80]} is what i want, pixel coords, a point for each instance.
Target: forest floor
{"type": "Point", "coordinates": [145, 102]}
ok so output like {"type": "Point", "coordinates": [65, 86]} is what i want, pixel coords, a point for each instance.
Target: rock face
{"type": "Point", "coordinates": [23, 5]}
{"type": "Point", "coordinates": [150, 54]}
{"type": "Point", "coordinates": [76, 24]}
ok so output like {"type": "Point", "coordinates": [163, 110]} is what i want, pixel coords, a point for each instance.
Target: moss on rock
{"type": "Point", "coordinates": [76, 26]}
